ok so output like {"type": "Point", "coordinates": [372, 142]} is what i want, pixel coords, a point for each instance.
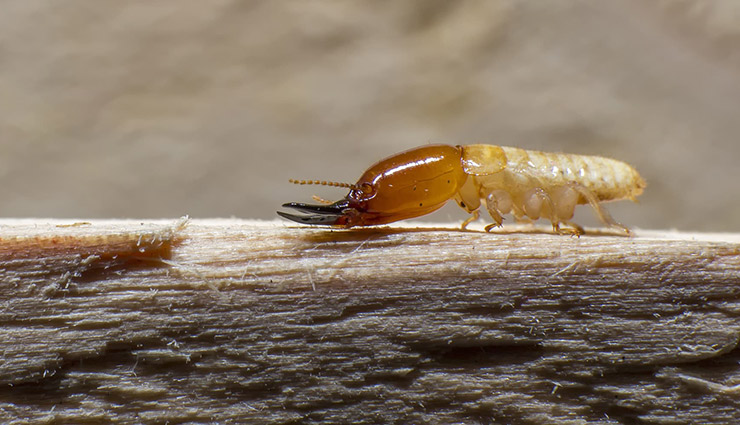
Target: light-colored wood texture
{"type": "Point", "coordinates": [235, 321]}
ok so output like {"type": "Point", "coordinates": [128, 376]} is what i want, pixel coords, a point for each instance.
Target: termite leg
{"type": "Point", "coordinates": [538, 203]}
{"type": "Point", "coordinates": [603, 214]}
{"type": "Point", "coordinates": [519, 215]}
{"type": "Point", "coordinates": [475, 215]}
{"type": "Point", "coordinates": [572, 229]}
{"type": "Point", "coordinates": [491, 226]}
{"type": "Point", "coordinates": [577, 228]}
{"type": "Point", "coordinates": [498, 203]}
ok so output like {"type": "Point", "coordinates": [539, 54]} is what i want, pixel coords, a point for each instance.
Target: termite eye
{"type": "Point", "coordinates": [462, 204]}
{"type": "Point", "coordinates": [367, 188]}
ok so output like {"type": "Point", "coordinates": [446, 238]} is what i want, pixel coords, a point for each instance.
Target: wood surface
{"type": "Point", "coordinates": [230, 321]}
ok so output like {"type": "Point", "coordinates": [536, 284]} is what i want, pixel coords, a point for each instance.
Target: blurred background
{"type": "Point", "coordinates": [144, 109]}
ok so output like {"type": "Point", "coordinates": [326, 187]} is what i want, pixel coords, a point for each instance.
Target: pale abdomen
{"type": "Point", "coordinates": [608, 179]}
{"type": "Point", "coordinates": [549, 185]}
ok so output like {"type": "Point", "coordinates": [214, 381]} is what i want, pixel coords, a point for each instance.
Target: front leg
{"type": "Point", "coordinates": [472, 218]}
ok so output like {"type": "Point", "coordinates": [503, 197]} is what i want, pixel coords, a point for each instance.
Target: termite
{"type": "Point", "coordinates": [528, 184]}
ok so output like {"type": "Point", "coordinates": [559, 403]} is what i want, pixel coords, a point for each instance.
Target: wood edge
{"type": "Point", "coordinates": [21, 226]}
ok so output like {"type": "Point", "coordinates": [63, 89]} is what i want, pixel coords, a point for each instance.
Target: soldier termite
{"type": "Point", "coordinates": [528, 184]}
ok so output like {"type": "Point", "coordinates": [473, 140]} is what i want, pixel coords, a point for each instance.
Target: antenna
{"type": "Point", "coordinates": [323, 183]}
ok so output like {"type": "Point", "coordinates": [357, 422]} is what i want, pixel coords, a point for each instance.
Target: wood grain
{"type": "Point", "coordinates": [228, 321]}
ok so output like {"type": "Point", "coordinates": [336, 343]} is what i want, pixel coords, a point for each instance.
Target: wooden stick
{"type": "Point", "coordinates": [219, 321]}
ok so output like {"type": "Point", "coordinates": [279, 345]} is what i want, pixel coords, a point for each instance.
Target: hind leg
{"type": "Point", "coordinates": [601, 212]}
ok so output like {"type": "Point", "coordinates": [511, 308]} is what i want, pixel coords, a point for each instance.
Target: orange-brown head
{"type": "Point", "coordinates": [409, 184]}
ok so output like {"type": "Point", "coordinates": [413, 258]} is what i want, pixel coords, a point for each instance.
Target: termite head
{"type": "Point", "coordinates": [406, 185]}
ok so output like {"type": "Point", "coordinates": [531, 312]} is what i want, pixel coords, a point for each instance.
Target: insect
{"type": "Point", "coordinates": [528, 184]}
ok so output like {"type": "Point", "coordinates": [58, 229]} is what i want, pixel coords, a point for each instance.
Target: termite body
{"type": "Point", "coordinates": [528, 184]}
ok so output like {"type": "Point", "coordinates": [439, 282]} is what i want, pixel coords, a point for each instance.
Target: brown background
{"type": "Point", "coordinates": [159, 109]}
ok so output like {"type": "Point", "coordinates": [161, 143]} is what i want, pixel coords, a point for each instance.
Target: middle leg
{"type": "Point", "coordinates": [498, 203]}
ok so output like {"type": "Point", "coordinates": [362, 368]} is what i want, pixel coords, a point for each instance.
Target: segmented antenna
{"type": "Point", "coordinates": [323, 183]}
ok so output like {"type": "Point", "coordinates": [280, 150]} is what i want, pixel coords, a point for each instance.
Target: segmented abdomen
{"type": "Point", "coordinates": [608, 179]}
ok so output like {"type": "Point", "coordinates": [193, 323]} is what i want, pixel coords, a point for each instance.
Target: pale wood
{"type": "Point", "coordinates": [228, 321]}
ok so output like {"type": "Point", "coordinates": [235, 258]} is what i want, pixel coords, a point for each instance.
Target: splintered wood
{"type": "Point", "coordinates": [228, 321]}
